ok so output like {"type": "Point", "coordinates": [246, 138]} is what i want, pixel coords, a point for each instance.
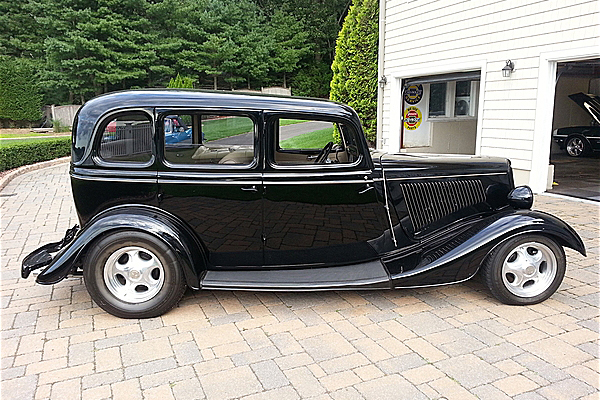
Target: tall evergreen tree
{"type": "Point", "coordinates": [290, 43]}
{"type": "Point", "coordinates": [355, 65]}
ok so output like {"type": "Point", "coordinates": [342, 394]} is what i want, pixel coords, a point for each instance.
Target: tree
{"type": "Point", "coordinates": [355, 64]}
{"type": "Point", "coordinates": [290, 43]}
{"type": "Point", "coordinates": [20, 99]}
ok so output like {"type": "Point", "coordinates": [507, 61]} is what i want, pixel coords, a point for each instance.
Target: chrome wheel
{"type": "Point", "coordinates": [575, 147]}
{"type": "Point", "coordinates": [133, 274]}
{"type": "Point", "coordinates": [529, 269]}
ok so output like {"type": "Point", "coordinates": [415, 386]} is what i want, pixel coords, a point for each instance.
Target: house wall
{"type": "Point", "coordinates": [425, 37]}
{"type": "Point", "coordinates": [444, 135]}
{"type": "Point", "coordinates": [566, 111]}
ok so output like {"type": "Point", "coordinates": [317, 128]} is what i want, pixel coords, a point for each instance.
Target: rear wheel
{"type": "Point", "coordinates": [132, 274]}
{"type": "Point", "coordinates": [525, 270]}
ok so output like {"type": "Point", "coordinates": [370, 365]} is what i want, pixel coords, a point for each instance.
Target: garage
{"type": "Point", "coordinates": [575, 127]}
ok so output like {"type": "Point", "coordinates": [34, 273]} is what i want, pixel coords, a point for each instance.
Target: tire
{"type": "Point", "coordinates": [524, 270]}
{"type": "Point", "coordinates": [132, 274]}
{"type": "Point", "coordinates": [576, 146]}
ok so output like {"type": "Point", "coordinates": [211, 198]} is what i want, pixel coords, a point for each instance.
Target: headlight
{"type": "Point", "coordinates": [521, 197]}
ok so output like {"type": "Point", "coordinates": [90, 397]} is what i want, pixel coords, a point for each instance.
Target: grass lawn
{"type": "Point", "coordinates": [221, 128]}
{"type": "Point", "coordinates": [9, 143]}
{"type": "Point", "coordinates": [23, 135]}
{"type": "Point", "coordinates": [284, 122]}
{"type": "Point", "coordinates": [312, 140]}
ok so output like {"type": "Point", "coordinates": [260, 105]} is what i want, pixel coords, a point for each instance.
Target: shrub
{"type": "Point", "coordinates": [16, 155]}
{"type": "Point", "coordinates": [181, 82]}
{"type": "Point", "coordinates": [20, 99]}
{"type": "Point", "coordinates": [58, 127]}
{"type": "Point", "coordinates": [355, 64]}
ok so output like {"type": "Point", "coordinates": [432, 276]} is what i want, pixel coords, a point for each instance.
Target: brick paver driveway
{"type": "Point", "coordinates": [455, 342]}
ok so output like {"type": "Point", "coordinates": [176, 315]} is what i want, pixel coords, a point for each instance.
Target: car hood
{"type": "Point", "coordinates": [589, 102]}
{"type": "Point", "coordinates": [415, 165]}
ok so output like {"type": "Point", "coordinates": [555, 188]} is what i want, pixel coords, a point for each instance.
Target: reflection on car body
{"type": "Point", "coordinates": [282, 193]}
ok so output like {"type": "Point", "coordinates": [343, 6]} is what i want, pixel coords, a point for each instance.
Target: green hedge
{"type": "Point", "coordinates": [29, 153]}
{"type": "Point", "coordinates": [20, 98]}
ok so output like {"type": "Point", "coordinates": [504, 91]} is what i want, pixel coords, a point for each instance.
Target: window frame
{"type": "Point", "coordinates": [272, 141]}
{"type": "Point", "coordinates": [450, 105]}
{"type": "Point", "coordinates": [99, 133]}
{"type": "Point", "coordinates": [253, 115]}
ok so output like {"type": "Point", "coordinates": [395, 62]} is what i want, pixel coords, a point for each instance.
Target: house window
{"type": "Point", "coordinates": [437, 100]}
{"type": "Point", "coordinates": [462, 101]}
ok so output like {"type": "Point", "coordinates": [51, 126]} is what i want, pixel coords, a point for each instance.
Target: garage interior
{"type": "Point", "coordinates": [575, 176]}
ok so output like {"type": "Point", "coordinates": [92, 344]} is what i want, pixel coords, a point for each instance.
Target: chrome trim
{"type": "Point", "coordinates": [110, 172]}
{"type": "Point", "coordinates": [445, 176]}
{"type": "Point", "coordinates": [204, 175]}
{"type": "Point", "coordinates": [387, 207]}
{"type": "Point", "coordinates": [208, 182]}
{"type": "Point", "coordinates": [112, 179]}
{"type": "Point", "coordinates": [324, 173]}
{"type": "Point", "coordinates": [314, 182]}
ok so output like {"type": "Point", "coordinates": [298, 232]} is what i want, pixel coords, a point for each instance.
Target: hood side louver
{"type": "Point", "coordinates": [428, 202]}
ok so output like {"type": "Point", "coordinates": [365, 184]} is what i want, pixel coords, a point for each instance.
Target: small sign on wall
{"type": "Point", "coordinates": [416, 129]}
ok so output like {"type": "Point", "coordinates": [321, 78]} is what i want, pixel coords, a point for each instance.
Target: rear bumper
{"type": "Point", "coordinates": [43, 257]}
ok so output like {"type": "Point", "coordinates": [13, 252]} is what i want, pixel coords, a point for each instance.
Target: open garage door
{"type": "Point", "coordinates": [575, 152]}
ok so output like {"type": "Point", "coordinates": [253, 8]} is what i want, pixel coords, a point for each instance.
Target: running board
{"type": "Point", "coordinates": [369, 275]}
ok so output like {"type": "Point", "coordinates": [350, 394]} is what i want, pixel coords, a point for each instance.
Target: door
{"type": "Point", "coordinates": [320, 202]}
{"type": "Point", "coordinates": [211, 179]}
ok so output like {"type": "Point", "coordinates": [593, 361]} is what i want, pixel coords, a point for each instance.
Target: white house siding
{"type": "Point", "coordinates": [429, 37]}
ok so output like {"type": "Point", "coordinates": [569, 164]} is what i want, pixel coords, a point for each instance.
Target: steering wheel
{"type": "Point", "coordinates": [324, 153]}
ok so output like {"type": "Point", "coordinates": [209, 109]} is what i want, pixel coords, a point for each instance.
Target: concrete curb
{"type": "Point", "coordinates": [32, 167]}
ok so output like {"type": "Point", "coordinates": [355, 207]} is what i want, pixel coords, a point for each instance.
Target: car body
{"type": "Point", "coordinates": [246, 205]}
{"type": "Point", "coordinates": [579, 141]}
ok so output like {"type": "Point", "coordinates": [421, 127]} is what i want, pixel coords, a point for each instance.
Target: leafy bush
{"type": "Point", "coordinates": [180, 82]}
{"type": "Point", "coordinates": [58, 126]}
{"type": "Point", "coordinates": [312, 81]}
{"type": "Point", "coordinates": [19, 154]}
{"type": "Point", "coordinates": [20, 99]}
{"type": "Point", "coordinates": [355, 64]}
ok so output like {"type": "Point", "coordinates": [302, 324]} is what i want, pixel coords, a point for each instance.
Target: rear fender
{"type": "Point", "coordinates": [141, 218]}
{"type": "Point", "coordinates": [464, 258]}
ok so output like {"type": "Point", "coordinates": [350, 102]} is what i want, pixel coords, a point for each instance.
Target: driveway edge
{"type": "Point", "coordinates": [32, 167]}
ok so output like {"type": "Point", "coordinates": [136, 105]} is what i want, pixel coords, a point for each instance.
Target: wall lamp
{"type": "Point", "coordinates": [508, 69]}
{"type": "Point", "coordinates": [382, 81]}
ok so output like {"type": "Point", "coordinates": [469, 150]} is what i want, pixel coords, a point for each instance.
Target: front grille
{"type": "Point", "coordinates": [428, 202]}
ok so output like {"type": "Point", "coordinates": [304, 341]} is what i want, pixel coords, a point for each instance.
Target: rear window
{"type": "Point", "coordinates": [127, 138]}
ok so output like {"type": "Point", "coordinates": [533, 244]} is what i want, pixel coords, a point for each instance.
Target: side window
{"type": "Point", "coordinates": [305, 142]}
{"type": "Point", "coordinates": [127, 138]}
{"type": "Point", "coordinates": [208, 139]}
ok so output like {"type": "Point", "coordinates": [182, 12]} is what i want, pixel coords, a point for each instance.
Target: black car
{"type": "Point", "coordinates": [578, 141]}
{"type": "Point", "coordinates": [282, 193]}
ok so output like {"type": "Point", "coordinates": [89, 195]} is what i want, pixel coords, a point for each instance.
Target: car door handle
{"type": "Point", "coordinates": [250, 188]}
{"type": "Point", "coordinates": [367, 187]}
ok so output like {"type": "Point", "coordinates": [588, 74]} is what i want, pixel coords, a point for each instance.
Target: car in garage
{"type": "Point", "coordinates": [233, 208]}
{"type": "Point", "coordinates": [579, 141]}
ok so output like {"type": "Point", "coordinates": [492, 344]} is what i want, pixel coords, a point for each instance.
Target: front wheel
{"type": "Point", "coordinates": [132, 274]}
{"type": "Point", "coordinates": [525, 270]}
{"type": "Point", "coordinates": [576, 146]}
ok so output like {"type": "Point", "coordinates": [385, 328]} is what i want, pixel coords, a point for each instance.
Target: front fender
{"type": "Point", "coordinates": [459, 258]}
{"type": "Point", "coordinates": [139, 217]}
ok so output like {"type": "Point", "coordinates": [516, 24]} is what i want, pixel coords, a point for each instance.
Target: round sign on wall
{"type": "Point", "coordinates": [413, 94]}
{"type": "Point", "coordinates": [412, 118]}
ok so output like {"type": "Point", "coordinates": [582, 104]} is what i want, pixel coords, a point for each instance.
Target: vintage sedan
{"type": "Point", "coordinates": [264, 198]}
